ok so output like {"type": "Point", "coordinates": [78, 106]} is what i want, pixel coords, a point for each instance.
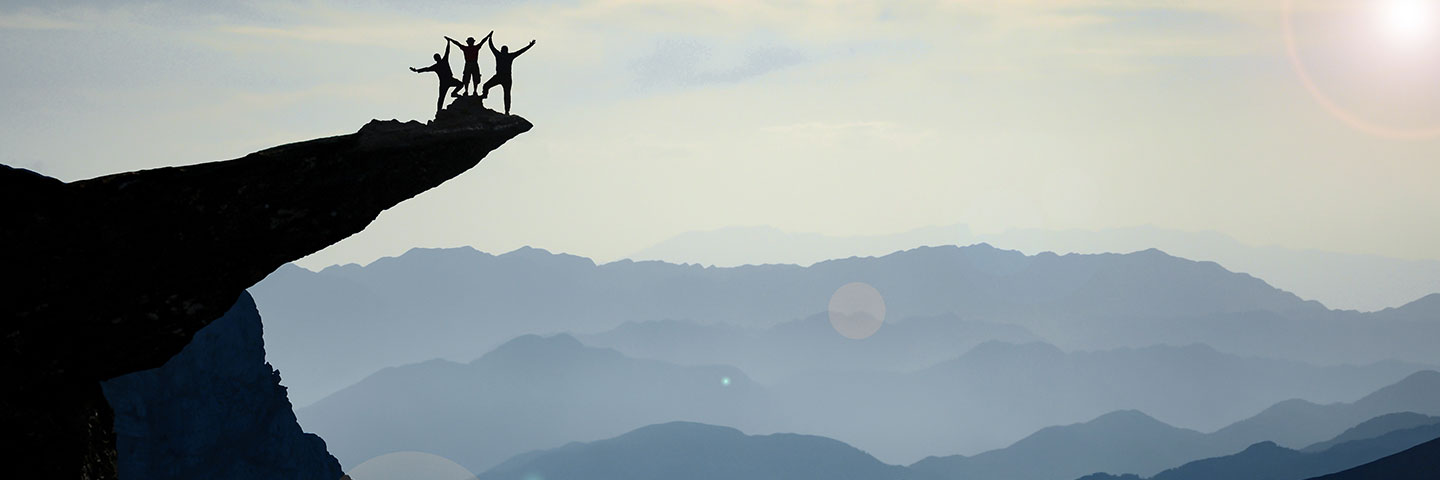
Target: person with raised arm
{"type": "Point", "coordinates": [471, 71]}
{"type": "Point", "coordinates": [504, 58]}
{"type": "Point", "coordinates": [447, 77]}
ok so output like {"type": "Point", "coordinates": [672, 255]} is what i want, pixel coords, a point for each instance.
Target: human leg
{"type": "Point", "coordinates": [507, 98]}
{"type": "Point", "coordinates": [493, 81]}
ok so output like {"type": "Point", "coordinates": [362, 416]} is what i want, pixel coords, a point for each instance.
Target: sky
{"type": "Point", "coordinates": [1303, 124]}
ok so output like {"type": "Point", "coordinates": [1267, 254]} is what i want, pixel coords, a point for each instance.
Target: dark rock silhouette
{"type": "Point", "coordinates": [114, 274]}
{"type": "Point", "coordinates": [1420, 462]}
{"type": "Point", "coordinates": [216, 410]}
{"type": "Point", "coordinates": [696, 451]}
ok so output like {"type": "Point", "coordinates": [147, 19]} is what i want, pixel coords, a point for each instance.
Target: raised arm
{"type": "Point", "coordinates": [487, 37]}
{"type": "Point", "coordinates": [492, 45]}
{"type": "Point", "coordinates": [527, 47]}
{"type": "Point", "coordinates": [453, 41]}
{"type": "Point", "coordinates": [446, 58]}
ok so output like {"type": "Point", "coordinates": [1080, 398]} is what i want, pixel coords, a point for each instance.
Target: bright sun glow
{"type": "Point", "coordinates": [1408, 21]}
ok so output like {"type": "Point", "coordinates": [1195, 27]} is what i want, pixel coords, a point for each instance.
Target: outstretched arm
{"type": "Point", "coordinates": [423, 70]}
{"type": "Point", "coordinates": [446, 58]}
{"type": "Point", "coordinates": [492, 44]}
{"type": "Point", "coordinates": [527, 47]}
{"type": "Point", "coordinates": [453, 41]}
{"type": "Point", "coordinates": [487, 37]}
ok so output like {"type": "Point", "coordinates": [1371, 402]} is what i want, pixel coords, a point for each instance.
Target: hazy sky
{"type": "Point", "coordinates": [834, 117]}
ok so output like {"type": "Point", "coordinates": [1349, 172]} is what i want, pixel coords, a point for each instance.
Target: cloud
{"type": "Point", "coordinates": [36, 21]}
{"type": "Point", "coordinates": [692, 62]}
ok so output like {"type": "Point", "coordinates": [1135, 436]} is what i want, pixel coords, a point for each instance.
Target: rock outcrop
{"type": "Point", "coordinates": [216, 411]}
{"type": "Point", "coordinates": [114, 274]}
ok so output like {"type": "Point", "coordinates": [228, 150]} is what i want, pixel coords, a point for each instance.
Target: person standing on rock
{"type": "Point", "coordinates": [471, 71]}
{"type": "Point", "coordinates": [503, 59]}
{"type": "Point", "coordinates": [447, 77]}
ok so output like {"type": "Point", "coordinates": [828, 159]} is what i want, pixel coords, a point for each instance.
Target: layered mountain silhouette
{"type": "Point", "coordinates": [986, 398]}
{"type": "Point", "coordinates": [997, 393]}
{"type": "Point", "coordinates": [1376, 427]}
{"type": "Point", "coordinates": [1339, 280]}
{"type": "Point", "coordinates": [699, 452]}
{"type": "Point", "coordinates": [1416, 463]}
{"type": "Point", "coordinates": [215, 410]}
{"type": "Point", "coordinates": [807, 345]}
{"type": "Point", "coordinates": [1127, 441]}
{"type": "Point", "coordinates": [115, 274]}
{"type": "Point", "coordinates": [1132, 442]}
{"type": "Point", "coordinates": [693, 450]}
{"type": "Point", "coordinates": [1268, 461]}
{"type": "Point", "coordinates": [1298, 423]}
{"type": "Point", "coordinates": [532, 392]}
{"type": "Point", "coordinates": [455, 302]}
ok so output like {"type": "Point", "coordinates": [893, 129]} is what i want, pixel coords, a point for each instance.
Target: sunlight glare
{"type": "Point", "coordinates": [1407, 21]}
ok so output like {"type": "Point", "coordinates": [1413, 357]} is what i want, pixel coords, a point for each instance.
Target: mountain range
{"type": "Point", "coordinates": [693, 450]}
{"type": "Point", "coordinates": [532, 392]}
{"type": "Point", "coordinates": [1346, 281]}
{"type": "Point", "coordinates": [698, 452]}
{"type": "Point", "coordinates": [535, 391]}
{"type": "Point", "coordinates": [1364, 443]}
{"type": "Point", "coordinates": [1133, 442]}
{"type": "Point", "coordinates": [330, 328]}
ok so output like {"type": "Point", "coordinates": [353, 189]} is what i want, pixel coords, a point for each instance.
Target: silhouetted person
{"type": "Point", "coordinates": [503, 59]}
{"type": "Point", "coordinates": [447, 78]}
{"type": "Point", "coordinates": [471, 71]}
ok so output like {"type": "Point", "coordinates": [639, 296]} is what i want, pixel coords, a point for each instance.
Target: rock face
{"type": "Point", "coordinates": [216, 410]}
{"type": "Point", "coordinates": [114, 274]}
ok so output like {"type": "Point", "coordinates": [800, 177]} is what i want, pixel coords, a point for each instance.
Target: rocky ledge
{"type": "Point", "coordinates": [115, 274]}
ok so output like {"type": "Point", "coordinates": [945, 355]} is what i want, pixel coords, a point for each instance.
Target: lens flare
{"type": "Point", "coordinates": [857, 310]}
{"type": "Point", "coordinates": [1407, 22]}
{"type": "Point", "coordinates": [1329, 104]}
{"type": "Point", "coordinates": [410, 465]}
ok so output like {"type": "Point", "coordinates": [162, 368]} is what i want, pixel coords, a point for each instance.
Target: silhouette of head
{"type": "Point", "coordinates": [470, 41]}
{"type": "Point", "coordinates": [437, 57]}
{"type": "Point", "coordinates": [504, 49]}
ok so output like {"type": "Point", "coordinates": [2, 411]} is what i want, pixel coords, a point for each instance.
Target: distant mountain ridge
{"type": "Point", "coordinates": [532, 392]}
{"type": "Point", "coordinates": [773, 354]}
{"type": "Point", "coordinates": [1132, 442]}
{"type": "Point", "coordinates": [535, 392]}
{"type": "Point", "coordinates": [706, 452]}
{"type": "Point", "coordinates": [1416, 463]}
{"type": "Point", "coordinates": [1298, 423]}
{"type": "Point", "coordinates": [332, 327]}
{"type": "Point", "coordinates": [696, 451]}
{"type": "Point", "coordinates": [1268, 461]}
{"type": "Point", "coordinates": [1339, 280]}
{"type": "Point", "coordinates": [1129, 439]}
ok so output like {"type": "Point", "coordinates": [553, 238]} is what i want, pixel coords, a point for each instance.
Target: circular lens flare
{"type": "Point", "coordinates": [1403, 13]}
{"type": "Point", "coordinates": [857, 310]}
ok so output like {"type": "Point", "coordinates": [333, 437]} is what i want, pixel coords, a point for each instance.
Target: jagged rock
{"type": "Point", "coordinates": [216, 410]}
{"type": "Point", "coordinates": [114, 274]}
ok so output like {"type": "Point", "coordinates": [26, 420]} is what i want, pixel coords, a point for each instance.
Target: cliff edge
{"type": "Point", "coordinates": [115, 274]}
